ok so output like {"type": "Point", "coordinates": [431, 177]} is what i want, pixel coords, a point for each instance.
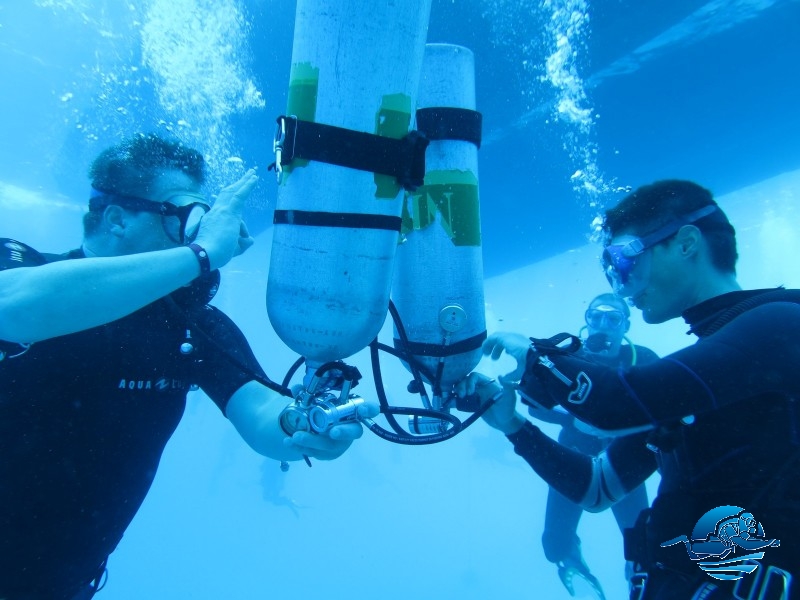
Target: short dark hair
{"type": "Point", "coordinates": [132, 166]}
{"type": "Point", "coordinates": [652, 206]}
{"type": "Point", "coordinates": [612, 300]}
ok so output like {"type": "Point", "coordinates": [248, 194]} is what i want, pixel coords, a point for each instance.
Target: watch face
{"type": "Point", "coordinates": [294, 419]}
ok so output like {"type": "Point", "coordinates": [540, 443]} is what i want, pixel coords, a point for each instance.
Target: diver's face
{"type": "Point", "coordinates": [608, 320]}
{"type": "Point", "coordinates": [658, 281]}
{"type": "Point", "coordinates": [149, 231]}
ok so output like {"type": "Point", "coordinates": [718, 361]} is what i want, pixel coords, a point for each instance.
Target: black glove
{"type": "Point", "coordinates": [543, 384]}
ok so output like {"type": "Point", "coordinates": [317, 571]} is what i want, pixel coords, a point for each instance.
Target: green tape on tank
{"type": "Point", "coordinates": [454, 195]}
{"type": "Point", "coordinates": [393, 120]}
{"type": "Point", "coordinates": [303, 89]}
{"type": "Point", "coordinates": [302, 101]}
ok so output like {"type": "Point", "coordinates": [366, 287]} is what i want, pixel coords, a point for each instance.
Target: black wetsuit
{"type": "Point", "coordinates": [727, 431]}
{"type": "Point", "coordinates": [559, 539]}
{"type": "Point", "coordinates": [84, 419]}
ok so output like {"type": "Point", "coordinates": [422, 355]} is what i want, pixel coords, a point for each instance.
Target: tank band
{"type": "Point", "coordinates": [445, 123]}
{"type": "Point", "coordinates": [329, 219]}
{"type": "Point", "coordinates": [440, 350]}
{"type": "Point", "coordinates": [402, 158]}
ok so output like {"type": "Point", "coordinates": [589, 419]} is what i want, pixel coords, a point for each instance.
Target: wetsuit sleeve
{"type": "Point", "coordinates": [754, 354]}
{"type": "Point", "coordinates": [593, 482]}
{"type": "Point", "coordinates": [228, 361]}
{"type": "Point", "coordinates": [14, 254]}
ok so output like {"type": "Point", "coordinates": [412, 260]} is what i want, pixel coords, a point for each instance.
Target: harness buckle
{"type": "Point", "coordinates": [282, 131]}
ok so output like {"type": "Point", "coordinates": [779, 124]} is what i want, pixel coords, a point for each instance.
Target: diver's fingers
{"type": "Point", "coordinates": [461, 388]}
{"type": "Point", "coordinates": [369, 409]}
{"type": "Point", "coordinates": [492, 347]}
{"type": "Point", "coordinates": [504, 341]}
{"type": "Point", "coordinates": [512, 378]}
{"type": "Point", "coordinates": [468, 385]}
{"type": "Point", "coordinates": [489, 344]}
{"type": "Point", "coordinates": [235, 195]}
{"type": "Point", "coordinates": [497, 352]}
{"type": "Point", "coordinates": [346, 432]}
{"type": "Point", "coordinates": [323, 447]}
{"type": "Point", "coordinates": [245, 240]}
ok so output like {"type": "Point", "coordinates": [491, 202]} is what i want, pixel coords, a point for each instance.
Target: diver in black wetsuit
{"type": "Point", "coordinates": [99, 349]}
{"type": "Point", "coordinates": [607, 321]}
{"type": "Point", "coordinates": [720, 419]}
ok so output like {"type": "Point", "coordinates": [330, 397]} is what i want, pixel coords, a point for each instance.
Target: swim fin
{"type": "Point", "coordinates": [579, 581]}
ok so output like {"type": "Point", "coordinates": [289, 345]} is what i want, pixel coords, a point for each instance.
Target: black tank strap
{"type": "Point", "coordinates": [403, 159]}
{"type": "Point", "coordinates": [440, 350]}
{"type": "Point", "coordinates": [329, 219]}
{"type": "Point", "coordinates": [446, 123]}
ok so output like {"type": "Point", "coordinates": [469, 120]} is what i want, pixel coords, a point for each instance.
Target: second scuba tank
{"type": "Point", "coordinates": [438, 282]}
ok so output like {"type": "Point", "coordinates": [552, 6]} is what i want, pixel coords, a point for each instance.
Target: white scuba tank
{"type": "Point", "coordinates": [355, 65]}
{"type": "Point", "coordinates": [438, 282]}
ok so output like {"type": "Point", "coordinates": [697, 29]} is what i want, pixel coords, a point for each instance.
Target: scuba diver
{"type": "Point", "coordinates": [607, 322]}
{"type": "Point", "coordinates": [273, 484]}
{"type": "Point", "coordinates": [100, 347]}
{"type": "Point", "coordinates": [717, 419]}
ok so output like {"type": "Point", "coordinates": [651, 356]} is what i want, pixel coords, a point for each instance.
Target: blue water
{"type": "Point", "coordinates": [706, 90]}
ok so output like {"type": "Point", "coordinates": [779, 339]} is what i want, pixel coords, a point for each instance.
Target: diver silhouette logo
{"type": "Point", "coordinates": [718, 534]}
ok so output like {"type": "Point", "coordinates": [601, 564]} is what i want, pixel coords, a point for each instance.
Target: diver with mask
{"type": "Point", "coordinates": [718, 419]}
{"type": "Point", "coordinates": [99, 348]}
{"type": "Point", "coordinates": [607, 323]}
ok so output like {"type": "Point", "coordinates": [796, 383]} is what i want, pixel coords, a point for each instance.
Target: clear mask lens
{"type": "Point", "coordinates": [182, 223]}
{"type": "Point", "coordinates": [637, 278]}
{"type": "Point", "coordinates": [192, 224]}
{"type": "Point", "coordinates": [604, 319]}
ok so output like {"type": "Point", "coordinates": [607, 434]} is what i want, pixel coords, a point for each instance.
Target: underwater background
{"type": "Point", "coordinates": [581, 102]}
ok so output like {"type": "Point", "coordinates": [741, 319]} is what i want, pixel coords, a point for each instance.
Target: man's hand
{"type": "Point", "coordinates": [333, 443]}
{"type": "Point", "coordinates": [222, 233]}
{"type": "Point", "coordinates": [503, 414]}
{"type": "Point", "coordinates": [513, 344]}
